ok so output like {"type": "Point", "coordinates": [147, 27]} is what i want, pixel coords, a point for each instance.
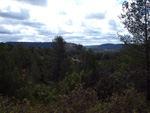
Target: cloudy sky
{"type": "Point", "coordinates": [87, 22]}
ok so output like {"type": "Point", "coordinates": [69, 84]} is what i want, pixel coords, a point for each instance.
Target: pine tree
{"type": "Point", "coordinates": [135, 18]}
{"type": "Point", "coordinates": [59, 57]}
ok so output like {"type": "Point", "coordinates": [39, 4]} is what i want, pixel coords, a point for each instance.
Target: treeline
{"type": "Point", "coordinates": [54, 80]}
{"type": "Point", "coordinates": [28, 44]}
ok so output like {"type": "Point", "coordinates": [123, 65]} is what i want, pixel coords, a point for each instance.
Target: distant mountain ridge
{"type": "Point", "coordinates": [108, 47]}
{"type": "Point", "coordinates": [34, 44]}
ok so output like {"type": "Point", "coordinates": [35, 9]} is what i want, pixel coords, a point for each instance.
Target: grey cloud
{"type": "Point", "coordinates": [110, 37]}
{"type": "Point", "coordinates": [83, 24]}
{"type": "Point", "coordinates": [22, 22]}
{"type": "Point", "coordinates": [19, 37]}
{"type": "Point", "coordinates": [69, 22]}
{"type": "Point", "coordinates": [82, 40]}
{"type": "Point", "coordinates": [51, 33]}
{"type": "Point", "coordinates": [9, 38]}
{"type": "Point", "coordinates": [8, 22]}
{"type": "Point", "coordinates": [62, 13]}
{"type": "Point", "coordinates": [92, 32]}
{"type": "Point", "coordinates": [35, 2]}
{"type": "Point", "coordinates": [22, 15]}
{"type": "Point", "coordinates": [113, 24]}
{"type": "Point", "coordinates": [45, 32]}
{"type": "Point", "coordinates": [74, 37]}
{"type": "Point", "coordinates": [96, 16]}
{"type": "Point", "coordinates": [62, 32]}
{"type": "Point", "coordinates": [115, 27]}
{"type": "Point", "coordinates": [101, 39]}
{"type": "Point", "coordinates": [4, 31]}
{"type": "Point", "coordinates": [33, 24]}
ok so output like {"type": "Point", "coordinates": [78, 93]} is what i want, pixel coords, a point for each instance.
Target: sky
{"type": "Point", "coordinates": [86, 22]}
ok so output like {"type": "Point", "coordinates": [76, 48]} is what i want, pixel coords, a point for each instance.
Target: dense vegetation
{"type": "Point", "coordinates": [55, 80]}
{"type": "Point", "coordinates": [98, 48]}
{"type": "Point", "coordinates": [77, 80]}
{"type": "Point", "coordinates": [106, 47]}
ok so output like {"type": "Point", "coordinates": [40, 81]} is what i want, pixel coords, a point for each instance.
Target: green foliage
{"type": "Point", "coordinates": [50, 79]}
{"type": "Point", "coordinates": [25, 92]}
{"type": "Point", "coordinates": [12, 105]}
{"type": "Point", "coordinates": [78, 101]}
{"type": "Point", "coordinates": [44, 94]}
{"type": "Point", "coordinates": [59, 59]}
{"type": "Point", "coordinates": [58, 46]}
{"type": "Point", "coordinates": [106, 48]}
{"type": "Point", "coordinates": [72, 80]}
{"type": "Point", "coordinates": [89, 64]}
{"type": "Point", "coordinates": [135, 18]}
{"type": "Point", "coordinates": [129, 102]}
{"type": "Point", "coordinates": [10, 78]}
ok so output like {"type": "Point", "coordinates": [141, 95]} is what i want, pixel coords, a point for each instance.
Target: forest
{"type": "Point", "coordinates": [79, 80]}
{"type": "Point", "coordinates": [57, 80]}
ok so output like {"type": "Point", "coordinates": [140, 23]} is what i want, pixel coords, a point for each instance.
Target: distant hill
{"type": "Point", "coordinates": [34, 44]}
{"type": "Point", "coordinates": [102, 48]}
{"type": "Point", "coordinates": [106, 47]}
{"type": "Point", "coordinates": [37, 44]}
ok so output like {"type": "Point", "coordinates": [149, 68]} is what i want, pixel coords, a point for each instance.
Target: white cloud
{"type": "Point", "coordinates": [78, 21]}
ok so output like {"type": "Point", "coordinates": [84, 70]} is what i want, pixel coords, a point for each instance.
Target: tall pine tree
{"type": "Point", "coordinates": [59, 58]}
{"type": "Point", "coordinates": [135, 18]}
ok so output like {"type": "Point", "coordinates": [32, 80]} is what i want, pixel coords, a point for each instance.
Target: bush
{"type": "Point", "coordinates": [44, 93]}
{"type": "Point", "coordinates": [78, 101]}
{"type": "Point", "coordinates": [12, 105]}
{"type": "Point", "coordinates": [129, 102]}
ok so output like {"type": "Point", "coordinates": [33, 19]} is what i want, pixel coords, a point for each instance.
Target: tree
{"type": "Point", "coordinates": [90, 66]}
{"type": "Point", "coordinates": [135, 18]}
{"type": "Point", "coordinates": [59, 58]}
{"type": "Point", "coordinates": [10, 79]}
{"type": "Point", "coordinates": [58, 46]}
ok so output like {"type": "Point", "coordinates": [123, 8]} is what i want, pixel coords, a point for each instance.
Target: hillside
{"type": "Point", "coordinates": [76, 79]}
{"type": "Point", "coordinates": [34, 44]}
{"type": "Point", "coordinates": [106, 47]}
{"type": "Point", "coordinates": [102, 48]}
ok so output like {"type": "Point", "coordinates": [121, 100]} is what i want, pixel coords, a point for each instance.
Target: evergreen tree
{"type": "Point", "coordinates": [10, 79]}
{"type": "Point", "coordinates": [59, 58]}
{"type": "Point", "coordinates": [135, 18]}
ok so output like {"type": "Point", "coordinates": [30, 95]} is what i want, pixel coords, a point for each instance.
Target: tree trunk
{"type": "Point", "coordinates": [147, 54]}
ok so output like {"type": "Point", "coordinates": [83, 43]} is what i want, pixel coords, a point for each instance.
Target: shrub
{"type": "Point", "coordinates": [128, 102]}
